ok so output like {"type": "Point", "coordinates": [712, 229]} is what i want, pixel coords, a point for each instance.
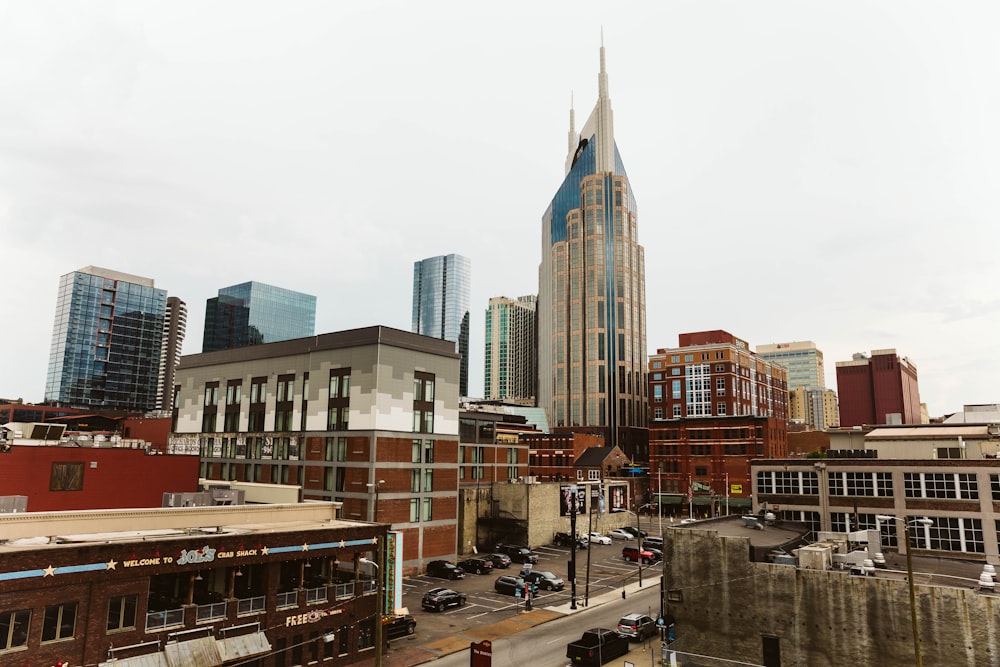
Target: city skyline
{"type": "Point", "coordinates": [835, 173]}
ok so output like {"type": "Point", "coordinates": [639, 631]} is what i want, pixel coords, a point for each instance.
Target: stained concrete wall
{"type": "Point", "coordinates": [724, 605]}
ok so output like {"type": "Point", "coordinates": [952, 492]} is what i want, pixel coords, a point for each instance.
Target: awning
{"type": "Point", "coordinates": [157, 659]}
{"type": "Point", "coordinates": [243, 646]}
{"type": "Point", "coordinates": [203, 652]}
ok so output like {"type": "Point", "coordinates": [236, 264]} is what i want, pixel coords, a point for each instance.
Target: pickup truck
{"type": "Point", "coordinates": [596, 647]}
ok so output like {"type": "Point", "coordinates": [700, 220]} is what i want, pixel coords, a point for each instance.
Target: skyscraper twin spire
{"type": "Point", "coordinates": [592, 307]}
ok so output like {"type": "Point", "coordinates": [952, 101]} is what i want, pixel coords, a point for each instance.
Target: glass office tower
{"type": "Point", "coordinates": [106, 342]}
{"type": "Point", "coordinates": [441, 287]}
{"type": "Point", "coordinates": [592, 300]}
{"type": "Point", "coordinates": [511, 368]}
{"type": "Point", "coordinates": [253, 313]}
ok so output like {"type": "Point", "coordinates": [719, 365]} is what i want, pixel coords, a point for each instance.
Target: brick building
{"type": "Point", "coordinates": [256, 586]}
{"type": "Point", "coordinates": [366, 417]}
{"type": "Point", "coordinates": [880, 389]}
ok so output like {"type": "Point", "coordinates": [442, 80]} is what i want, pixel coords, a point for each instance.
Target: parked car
{"type": "Point", "coordinates": [684, 522]}
{"type": "Point", "coordinates": [507, 585]}
{"type": "Point", "coordinates": [597, 538]}
{"type": "Point", "coordinates": [399, 626]}
{"type": "Point", "coordinates": [657, 554]}
{"type": "Point", "coordinates": [437, 599]}
{"type": "Point", "coordinates": [636, 626]}
{"type": "Point", "coordinates": [652, 543]}
{"type": "Point", "coordinates": [518, 553]}
{"type": "Point", "coordinates": [445, 570]}
{"type": "Point", "coordinates": [544, 580]}
{"type": "Point", "coordinates": [635, 554]}
{"type": "Point", "coordinates": [477, 565]}
{"type": "Point", "coordinates": [634, 532]}
{"type": "Point", "coordinates": [499, 560]}
{"type": "Point", "coordinates": [567, 540]}
{"type": "Point", "coordinates": [620, 534]}
{"type": "Point", "coordinates": [596, 647]}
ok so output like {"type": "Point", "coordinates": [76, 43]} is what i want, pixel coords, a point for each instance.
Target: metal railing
{"type": "Point", "coordinates": [210, 612]}
{"type": "Point", "coordinates": [289, 599]}
{"type": "Point", "coordinates": [168, 618]}
{"type": "Point", "coordinates": [343, 591]}
{"type": "Point", "coordinates": [250, 605]}
{"type": "Point", "coordinates": [368, 587]}
{"type": "Point", "coordinates": [314, 595]}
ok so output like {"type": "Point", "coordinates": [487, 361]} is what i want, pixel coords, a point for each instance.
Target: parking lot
{"type": "Point", "coordinates": [607, 571]}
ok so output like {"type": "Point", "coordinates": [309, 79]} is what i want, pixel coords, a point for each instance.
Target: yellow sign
{"type": "Point", "coordinates": [736, 489]}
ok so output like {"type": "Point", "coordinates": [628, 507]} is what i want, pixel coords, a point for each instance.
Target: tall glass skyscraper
{"type": "Point", "coordinates": [511, 368]}
{"type": "Point", "coordinates": [441, 287]}
{"type": "Point", "coordinates": [592, 295]}
{"type": "Point", "coordinates": [106, 341]}
{"type": "Point", "coordinates": [253, 313]}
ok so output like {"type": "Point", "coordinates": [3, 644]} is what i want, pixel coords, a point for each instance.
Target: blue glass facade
{"type": "Point", "coordinates": [252, 313]}
{"type": "Point", "coordinates": [441, 287]}
{"type": "Point", "coordinates": [106, 341]}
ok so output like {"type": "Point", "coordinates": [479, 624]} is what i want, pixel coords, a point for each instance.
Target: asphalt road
{"type": "Point", "coordinates": [545, 645]}
{"type": "Point", "coordinates": [608, 571]}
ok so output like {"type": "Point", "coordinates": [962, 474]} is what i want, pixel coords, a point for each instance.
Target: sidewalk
{"type": "Point", "coordinates": [407, 656]}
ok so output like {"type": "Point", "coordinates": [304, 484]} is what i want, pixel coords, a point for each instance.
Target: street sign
{"type": "Point", "coordinates": [481, 654]}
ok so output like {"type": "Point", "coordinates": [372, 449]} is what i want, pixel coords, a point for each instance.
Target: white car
{"type": "Point", "coordinates": [619, 534]}
{"type": "Point", "coordinates": [597, 538]}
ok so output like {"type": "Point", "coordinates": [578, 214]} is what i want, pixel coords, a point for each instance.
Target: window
{"type": "Point", "coordinates": [59, 622]}
{"type": "Point", "coordinates": [949, 452]}
{"type": "Point", "coordinates": [720, 409]}
{"type": "Point", "coordinates": [658, 413]}
{"type": "Point", "coordinates": [366, 634]}
{"type": "Point", "coordinates": [676, 370]}
{"type": "Point", "coordinates": [211, 394]}
{"type": "Point", "coordinates": [14, 628]}
{"type": "Point", "coordinates": [675, 389]}
{"type": "Point", "coordinates": [66, 476]}
{"type": "Point", "coordinates": [336, 449]}
{"type": "Point", "coordinates": [594, 475]}
{"type": "Point", "coordinates": [657, 393]}
{"type": "Point", "coordinates": [338, 405]}
{"type": "Point", "coordinates": [701, 471]}
{"type": "Point", "coordinates": [121, 612]}
{"type": "Point", "coordinates": [677, 410]}
{"type": "Point", "coordinates": [860, 484]}
{"type": "Point", "coordinates": [428, 480]}
{"type": "Point", "coordinates": [286, 388]}
{"type": "Point", "coordinates": [415, 480]}
{"type": "Point", "coordinates": [955, 486]}
{"type": "Point", "coordinates": [675, 359]}
{"type": "Point", "coordinates": [427, 505]}
{"type": "Point", "coordinates": [423, 402]}
{"type": "Point", "coordinates": [414, 510]}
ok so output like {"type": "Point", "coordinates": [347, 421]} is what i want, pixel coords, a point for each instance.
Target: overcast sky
{"type": "Point", "coordinates": [822, 171]}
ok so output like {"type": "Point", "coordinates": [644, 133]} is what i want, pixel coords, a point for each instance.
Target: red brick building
{"type": "Point", "coordinates": [880, 389]}
{"type": "Point", "coordinates": [256, 586]}
{"type": "Point", "coordinates": [69, 477]}
{"type": "Point", "coordinates": [552, 455]}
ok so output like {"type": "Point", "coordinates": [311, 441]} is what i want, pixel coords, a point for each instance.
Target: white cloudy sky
{"type": "Point", "coordinates": [822, 171]}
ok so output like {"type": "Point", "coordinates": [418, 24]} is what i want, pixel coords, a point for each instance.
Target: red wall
{"type": "Point", "coordinates": [153, 431]}
{"type": "Point", "coordinates": [112, 478]}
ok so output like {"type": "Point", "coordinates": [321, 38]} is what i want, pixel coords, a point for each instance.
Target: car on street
{"type": "Point", "coordinates": [545, 580]}
{"type": "Point", "coordinates": [499, 560]}
{"type": "Point", "coordinates": [619, 534]}
{"type": "Point", "coordinates": [634, 532]}
{"type": "Point", "coordinates": [634, 554]}
{"type": "Point", "coordinates": [567, 540]}
{"type": "Point", "coordinates": [518, 553]}
{"type": "Point", "coordinates": [507, 585]}
{"type": "Point", "coordinates": [400, 626]}
{"type": "Point", "coordinates": [687, 521]}
{"type": "Point", "coordinates": [477, 565]}
{"type": "Point", "coordinates": [597, 538]}
{"type": "Point", "coordinates": [636, 626]}
{"type": "Point", "coordinates": [438, 599]}
{"type": "Point", "coordinates": [445, 570]}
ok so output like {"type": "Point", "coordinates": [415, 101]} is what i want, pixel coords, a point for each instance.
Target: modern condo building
{"type": "Point", "coordinates": [253, 313]}
{"type": "Point", "coordinates": [441, 288]}
{"type": "Point", "coordinates": [511, 367]}
{"type": "Point", "coordinates": [106, 341]}
{"type": "Point", "coordinates": [592, 302]}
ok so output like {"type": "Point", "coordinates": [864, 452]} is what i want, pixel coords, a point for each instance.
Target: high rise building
{"type": "Point", "coordinates": [441, 287]}
{"type": "Point", "coordinates": [174, 329]}
{"type": "Point", "coordinates": [715, 374]}
{"type": "Point", "coordinates": [252, 313]}
{"type": "Point", "coordinates": [592, 300]}
{"type": "Point", "coordinates": [106, 341]}
{"type": "Point", "coordinates": [511, 367]}
{"type": "Point", "coordinates": [810, 402]}
{"type": "Point", "coordinates": [801, 359]}
{"type": "Point", "coordinates": [880, 389]}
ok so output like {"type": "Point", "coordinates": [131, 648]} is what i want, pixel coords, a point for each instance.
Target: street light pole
{"type": "Point", "coordinates": [909, 576]}
{"type": "Point", "coordinates": [378, 604]}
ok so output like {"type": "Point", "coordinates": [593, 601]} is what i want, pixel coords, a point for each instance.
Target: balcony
{"type": "Point", "coordinates": [168, 618]}
{"type": "Point", "coordinates": [250, 605]}
{"type": "Point", "coordinates": [344, 591]}
{"type": "Point", "coordinates": [314, 595]}
{"type": "Point", "coordinates": [289, 599]}
{"type": "Point", "coordinates": [211, 612]}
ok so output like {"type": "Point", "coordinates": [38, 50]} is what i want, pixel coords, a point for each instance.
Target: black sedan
{"type": "Point", "coordinates": [445, 570]}
{"type": "Point", "coordinates": [400, 626]}
{"type": "Point", "coordinates": [499, 560]}
{"type": "Point", "coordinates": [437, 599]}
{"type": "Point", "coordinates": [509, 585]}
{"type": "Point", "coordinates": [477, 565]}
